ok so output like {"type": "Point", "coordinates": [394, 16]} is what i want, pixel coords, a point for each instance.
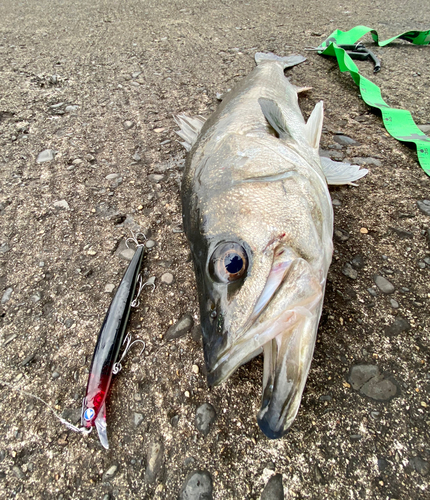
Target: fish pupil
{"type": "Point", "coordinates": [233, 263]}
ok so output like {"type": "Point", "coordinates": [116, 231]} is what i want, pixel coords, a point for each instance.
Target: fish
{"type": "Point", "coordinates": [104, 362]}
{"type": "Point", "coordinates": [258, 217]}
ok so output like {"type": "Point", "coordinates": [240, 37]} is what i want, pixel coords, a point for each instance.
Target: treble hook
{"type": "Point", "coordinates": [117, 367]}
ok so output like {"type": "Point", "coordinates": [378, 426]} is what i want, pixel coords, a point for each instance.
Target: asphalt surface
{"type": "Point", "coordinates": [97, 83]}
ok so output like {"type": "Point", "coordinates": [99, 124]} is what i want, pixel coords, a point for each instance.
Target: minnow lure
{"type": "Point", "coordinates": [105, 358]}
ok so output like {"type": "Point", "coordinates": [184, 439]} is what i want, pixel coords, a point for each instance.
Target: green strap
{"type": "Point", "coordinates": [398, 122]}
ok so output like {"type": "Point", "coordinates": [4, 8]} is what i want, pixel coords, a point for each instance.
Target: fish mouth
{"type": "Point", "coordinates": [283, 325]}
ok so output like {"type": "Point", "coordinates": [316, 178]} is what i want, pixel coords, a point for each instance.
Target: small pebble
{"type": "Point", "coordinates": [127, 254]}
{"type": "Point", "coordinates": [167, 278]}
{"type": "Point", "coordinates": [197, 486]}
{"type": "Point", "coordinates": [274, 489]}
{"type": "Point", "coordinates": [336, 203]}
{"type": "Point", "coordinates": [46, 155]}
{"type": "Point", "coordinates": [394, 304]}
{"type": "Point", "coordinates": [6, 295]}
{"type": "Point", "coordinates": [195, 369]}
{"type": "Point", "coordinates": [349, 271]}
{"type": "Point", "coordinates": [154, 460]}
{"type": "Point", "coordinates": [110, 473]}
{"type": "Point", "coordinates": [112, 177]}
{"type": "Point", "coordinates": [360, 374]}
{"type": "Point", "coordinates": [180, 328]}
{"type": "Point", "coordinates": [109, 288]}
{"type": "Point", "coordinates": [138, 419]}
{"type": "Point", "coordinates": [364, 230]}
{"type": "Point", "coordinates": [379, 389]}
{"type": "Point", "coordinates": [61, 204]}
{"type": "Point", "coordinates": [70, 109]}
{"type": "Point", "coordinates": [205, 417]}
{"type": "Point", "coordinates": [400, 325]}
{"type": "Point", "coordinates": [128, 124]}
{"type": "Point", "coordinates": [424, 206]}
{"type": "Point", "coordinates": [344, 140]}
{"type": "Point", "coordinates": [150, 244]}
{"type": "Point", "coordinates": [383, 284]}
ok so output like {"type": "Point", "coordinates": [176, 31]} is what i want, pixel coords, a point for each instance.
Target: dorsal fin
{"type": "Point", "coordinates": [273, 114]}
{"type": "Point", "coordinates": [314, 125]}
{"type": "Point", "coordinates": [287, 61]}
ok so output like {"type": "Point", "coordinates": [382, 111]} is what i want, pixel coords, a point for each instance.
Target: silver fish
{"type": "Point", "coordinates": [259, 220]}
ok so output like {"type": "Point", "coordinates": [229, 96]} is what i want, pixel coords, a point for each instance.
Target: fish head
{"type": "Point", "coordinates": [261, 251]}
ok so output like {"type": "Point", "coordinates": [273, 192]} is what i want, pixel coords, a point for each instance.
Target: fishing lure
{"type": "Point", "coordinates": [105, 361]}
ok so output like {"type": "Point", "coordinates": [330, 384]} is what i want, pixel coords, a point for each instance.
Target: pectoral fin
{"type": "Point", "coordinates": [338, 173]}
{"type": "Point", "coordinates": [273, 114]}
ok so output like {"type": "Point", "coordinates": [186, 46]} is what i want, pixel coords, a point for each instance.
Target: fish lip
{"type": "Point", "coordinates": [215, 375]}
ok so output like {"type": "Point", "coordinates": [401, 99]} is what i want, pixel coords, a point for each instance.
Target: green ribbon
{"type": "Point", "coordinates": [398, 122]}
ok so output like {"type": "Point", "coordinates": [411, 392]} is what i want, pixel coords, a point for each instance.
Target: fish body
{"type": "Point", "coordinates": [106, 352]}
{"type": "Point", "coordinates": [259, 220]}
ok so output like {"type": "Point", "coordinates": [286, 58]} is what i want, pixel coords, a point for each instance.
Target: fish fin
{"type": "Point", "coordinates": [190, 129]}
{"type": "Point", "coordinates": [100, 422]}
{"type": "Point", "coordinates": [337, 172]}
{"type": "Point", "coordinates": [301, 89]}
{"type": "Point", "coordinates": [287, 62]}
{"type": "Point", "coordinates": [273, 114]}
{"type": "Point", "coordinates": [313, 127]}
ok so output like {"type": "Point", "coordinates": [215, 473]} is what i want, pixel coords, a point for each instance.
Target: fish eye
{"type": "Point", "coordinates": [228, 263]}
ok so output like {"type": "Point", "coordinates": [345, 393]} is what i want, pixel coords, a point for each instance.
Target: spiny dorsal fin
{"type": "Point", "coordinates": [313, 127]}
{"type": "Point", "coordinates": [338, 173]}
{"type": "Point", "coordinates": [190, 129]}
{"type": "Point", "coordinates": [273, 114]}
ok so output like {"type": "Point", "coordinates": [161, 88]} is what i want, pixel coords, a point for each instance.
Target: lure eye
{"type": "Point", "coordinates": [228, 263]}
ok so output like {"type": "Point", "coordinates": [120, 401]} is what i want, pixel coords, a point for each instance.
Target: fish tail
{"type": "Point", "coordinates": [287, 61]}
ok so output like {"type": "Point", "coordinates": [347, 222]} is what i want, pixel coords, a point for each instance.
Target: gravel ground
{"type": "Point", "coordinates": [88, 152]}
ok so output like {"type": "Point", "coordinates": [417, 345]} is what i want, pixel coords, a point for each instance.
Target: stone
{"type": "Point", "coordinates": [154, 461]}
{"type": "Point", "coordinates": [349, 271]}
{"type": "Point", "coordinates": [425, 128]}
{"type": "Point", "coordinates": [150, 244]}
{"type": "Point", "coordinates": [6, 295]}
{"type": "Point", "coordinates": [400, 325]}
{"type": "Point", "coordinates": [341, 235]}
{"type": "Point", "coordinates": [110, 473]}
{"type": "Point", "coordinates": [196, 334]}
{"type": "Point", "coordinates": [205, 417]}
{"type": "Point", "coordinates": [383, 284]}
{"type": "Point", "coordinates": [109, 288]}
{"type": "Point", "coordinates": [70, 108]}
{"type": "Point", "coordinates": [418, 464]}
{"type": "Point", "coordinates": [46, 155]}
{"type": "Point", "coordinates": [401, 233]}
{"type": "Point", "coordinates": [344, 140]}
{"type": "Point", "coordinates": [197, 486]}
{"type": "Point", "coordinates": [424, 206]}
{"type": "Point", "coordinates": [358, 261]}
{"type": "Point", "coordinates": [336, 202]}
{"type": "Point", "coordinates": [112, 177]}
{"type": "Point", "coordinates": [360, 374]}
{"type": "Point", "coordinates": [274, 489]}
{"type": "Point", "coordinates": [167, 278]}
{"type": "Point", "coordinates": [180, 328]}
{"type": "Point", "coordinates": [128, 124]}
{"type": "Point", "coordinates": [138, 419]}
{"type": "Point", "coordinates": [72, 415]}
{"type": "Point", "coordinates": [379, 389]}
{"type": "Point", "coordinates": [366, 161]}
{"type": "Point", "coordinates": [394, 304]}
{"type": "Point", "coordinates": [155, 177]}
{"type": "Point", "coordinates": [127, 254]}
{"type": "Point", "coordinates": [61, 204]}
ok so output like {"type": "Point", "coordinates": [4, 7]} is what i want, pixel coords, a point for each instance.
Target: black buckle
{"type": "Point", "coordinates": [359, 52]}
